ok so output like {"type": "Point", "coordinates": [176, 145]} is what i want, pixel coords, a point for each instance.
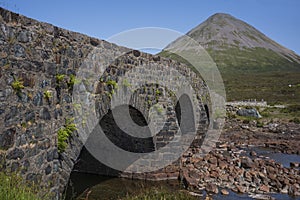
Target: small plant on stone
{"type": "Point", "coordinates": [158, 92]}
{"type": "Point", "coordinates": [17, 85]}
{"type": "Point", "coordinates": [64, 133]}
{"type": "Point", "coordinates": [126, 83]}
{"type": "Point", "coordinates": [113, 84]}
{"type": "Point", "coordinates": [60, 78]}
{"type": "Point", "coordinates": [47, 95]}
{"type": "Point", "coordinates": [72, 81]}
{"type": "Point", "coordinates": [158, 108]}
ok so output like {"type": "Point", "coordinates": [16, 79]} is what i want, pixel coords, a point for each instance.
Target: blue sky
{"type": "Point", "coordinates": [278, 19]}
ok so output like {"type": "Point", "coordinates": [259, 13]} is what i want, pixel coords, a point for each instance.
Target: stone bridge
{"type": "Point", "coordinates": [48, 76]}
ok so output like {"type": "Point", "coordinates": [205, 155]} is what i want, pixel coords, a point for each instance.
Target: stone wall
{"type": "Point", "coordinates": [36, 54]}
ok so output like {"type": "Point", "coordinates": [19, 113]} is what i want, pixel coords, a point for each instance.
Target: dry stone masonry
{"type": "Point", "coordinates": [38, 63]}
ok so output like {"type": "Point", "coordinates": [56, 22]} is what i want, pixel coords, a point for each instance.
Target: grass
{"type": "Point", "coordinates": [254, 74]}
{"type": "Point", "coordinates": [291, 113]}
{"type": "Point", "coordinates": [161, 194]}
{"type": "Point", "coordinates": [13, 187]}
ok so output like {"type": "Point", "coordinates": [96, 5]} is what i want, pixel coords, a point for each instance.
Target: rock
{"type": "Point", "coordinates": [11, 114]}
{"type": "Point", "coordinates": [285, 190]}
{"type": "Point", "coordinates": [248, 113]}
{"type": "Point", "coordinates": [44, 114]}
{"type": "Point", "coordinates": [213, 160]}
{"type": "Point", "coordinates": [38, 99]}
{"type": "Point", "coordinates": [294, 164]}
{"type": "Point", "coordinates": [187, 180]}
{"type": "Point", "coordinates": [261, 197]}
{"type": "Point", "coordinates": [208, 198]}
{"type": "Point", "coordinates": [15, 166]}
{"type": "Point", "coordinates": [15, 154]}
{"type": "Point", "coordinates": [294, 190]}
{"type": "Point", "coordinates": [29, 116]}
{"type": "Point", "coordinates": [24, 36]}
{"type": "Point", "coordinates": [48, 170]}
{"type": "Point", "coordinates": [264, 188]}
{"type": "Point", "coordinates": [241, 189]}
{"type": "Point", "coordinates": [58, 113]}
{"type": "Point", "coordinates": [224, 192]}
{"type": "Point", "coordinates": [253, 153]}
{"type": "Point", "coordinates": [67, 98]}
{"type": "Point", "coordinates": [195, 175]}
{"type": "Point", "coordinates": [136, 53]}
{"type": "Point", "coordinates": [272, 177]}
{"type": "Point", "coordinates": [248, 176]}
{"type": "Point", "coordinates": [273, 127]}
{"type": "Point", "coordinates": [247, 162]}
{"type": "Point", "coordinates": [222, 164]}
{"type": "Point", "coordinates": [7, 138]}
{"type": "Point", "coordinates": [35, 178]}
{"type": "Point", "coordinates": [212, 188]}
{"type": "Point", "coordinates": [19, 50]}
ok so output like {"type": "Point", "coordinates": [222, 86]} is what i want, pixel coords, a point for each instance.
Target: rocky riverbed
{"type": "Point", "coordinates": [250, 161]}
{"type": "Point", "coordinates": [236, 164]}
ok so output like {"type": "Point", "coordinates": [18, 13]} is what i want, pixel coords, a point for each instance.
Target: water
{"type": "Point", "coordinates": [284, 159]}
{"type": "Point", "coordinates": [236, 196]}
{"type": "Point", "coordinates": [103, 187]}
{"type": "Point", "coordinates": [108, 188]}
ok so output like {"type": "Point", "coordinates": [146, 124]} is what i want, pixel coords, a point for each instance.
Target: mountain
{"type": "Point", "coordinates": [252, 65]}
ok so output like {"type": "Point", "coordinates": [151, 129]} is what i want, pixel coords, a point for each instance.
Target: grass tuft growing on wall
{"type": "Point", "coordinates": [64, 133]}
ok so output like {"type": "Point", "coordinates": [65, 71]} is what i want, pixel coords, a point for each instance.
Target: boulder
{"type": "Point", "coordinates": [247, 162]}
{"type": "Point", "coordinates": [224, 192]}
{"type": "Point", "coordinates": [249, 113]}
{"type": "Point", "coordinates": [212, 188]}
{"type": "Point", "coordinates": [264, 188]}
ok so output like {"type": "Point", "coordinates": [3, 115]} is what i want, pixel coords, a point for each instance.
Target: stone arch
{"type": "Point", "coordinates": [146, 97]}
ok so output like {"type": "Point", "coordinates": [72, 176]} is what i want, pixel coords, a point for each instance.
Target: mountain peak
{"type": "Point", "coordinates": [223, 15]}
{"type": "Point", "coordinates": [222, 31]}
{"type": "Point", "coordinates": [252, 65]}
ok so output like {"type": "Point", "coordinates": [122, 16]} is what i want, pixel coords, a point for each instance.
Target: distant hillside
{"type": "Point", "coordinates": [252, 65]}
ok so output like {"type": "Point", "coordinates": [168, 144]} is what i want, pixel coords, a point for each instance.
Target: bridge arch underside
{"type": "Point", "coordinates": [145, 102]}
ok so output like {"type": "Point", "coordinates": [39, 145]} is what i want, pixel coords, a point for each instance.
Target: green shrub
{"type": "Point", "coordinates": [231, 115]}
{"type": "Point", "coordinates": [259, 124]}
{"type": "Point", "coordinates": [13, 187]}
{"type": "Point", "coordinates": [64, 133]}
{"type": "Point", "coordinates": [246, 121]}
{"type": "Point", "coordinates": [295, 120]}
